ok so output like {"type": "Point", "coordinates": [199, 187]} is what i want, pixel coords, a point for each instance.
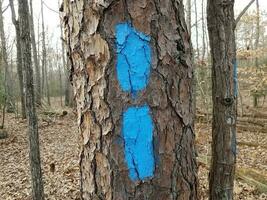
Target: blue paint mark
{"type": "Point", "coordinates": [235, 79]}
{"type": "Point", "coordinates": [138, 136]}
{"type": "Point", "coordinates": [133, 58]}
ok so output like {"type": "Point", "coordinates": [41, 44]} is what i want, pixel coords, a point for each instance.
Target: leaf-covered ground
{"type": "Point", "coordinates": [59, 153]}
{"type": "Point", "coordinates": [60, 158]}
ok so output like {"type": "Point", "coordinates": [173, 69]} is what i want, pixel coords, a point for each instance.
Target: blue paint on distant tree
{"type": "Point", "coordinates": [138, 137]}
{"type": "Point", "coordinates": [133, 58]}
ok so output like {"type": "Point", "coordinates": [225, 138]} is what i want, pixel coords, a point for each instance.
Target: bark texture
{"type": "Point", "coordinates": [221, 26]}
{"type": "Point", "coordinates": [35, 60]}
{"type": "Point", "coordinates": [35, 162]}
{"type": "Point", "coordinates": [90, 35]}
{"type": "Point", "coordinates": [19, 59]}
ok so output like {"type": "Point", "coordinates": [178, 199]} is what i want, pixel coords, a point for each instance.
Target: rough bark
{"type": "Point", "coordinates": [35, 60]}
{"type": "Point", "coordinates": [34, 153]}
{"type": "Point", "coordinates": [221, 26]}
{"type": "Point", "coordinates": [90, 35]}
{"type": "Point", "coordinates": [19, 58]}
{"type": "Point", "coordinates": [7, 80]}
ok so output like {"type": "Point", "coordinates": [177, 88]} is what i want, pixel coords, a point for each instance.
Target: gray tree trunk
{"type": "Point", "coordinates": [44, 57]}
{"type": "Point", "coordinates": [67, 88]}
{"type": "Point", "coordinates": [19, 59]}
{"type": "Point", "coordinates": [35, 59]}
{"type": "Point", "coordinates": [203, 31]}
{"type": "Point", "coordinates": [109, 170]}
{"type": "Point", "coordinates": [188, 16]}
{"type": "Point", "coordinates": [221, 25]}
{"type": "Point", "coordinates": [196, 22]}
{"type": "Point", "coordinates": [35, 162]}
{"type": "Point", "coordinates": [7, 80]}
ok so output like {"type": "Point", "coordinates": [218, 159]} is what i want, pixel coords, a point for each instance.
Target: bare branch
{"type": "Point", "coordinates": [4, 10]}
{"type": "Point", "coordinates": [243, 12]}
{"type": "Point", "coordinates": [50, 8]}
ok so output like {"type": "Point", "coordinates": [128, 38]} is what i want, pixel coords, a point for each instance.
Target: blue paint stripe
{"type": "Point", "coordinates": [133, 58]}
{"type": "Point", "coordinates": [138, 136]}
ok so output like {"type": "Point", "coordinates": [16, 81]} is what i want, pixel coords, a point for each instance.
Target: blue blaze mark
{"type": "Point", "coordinates": [133, 58]}
{"type": "Point", "coordinates": [138, 136]}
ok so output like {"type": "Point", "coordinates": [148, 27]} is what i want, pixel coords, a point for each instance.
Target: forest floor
{"type": "Point", "coordinates": [59, 140]}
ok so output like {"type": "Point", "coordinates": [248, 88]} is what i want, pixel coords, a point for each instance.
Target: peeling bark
{"type": "Point", "coordinates": [89, 27]}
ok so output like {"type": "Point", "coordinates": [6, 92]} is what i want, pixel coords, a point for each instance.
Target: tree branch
{"type": "Point", "coordinates": [4, 10]}
{"type": "Point", "coordinates": [243, 12]}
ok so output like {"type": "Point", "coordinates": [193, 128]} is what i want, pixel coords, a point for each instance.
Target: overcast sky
{"type": "Point", "coordinates": [52, 18]}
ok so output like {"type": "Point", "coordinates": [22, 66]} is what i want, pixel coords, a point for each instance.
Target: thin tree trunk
{"type": "Point", "coordinates": [138, 139]}
{"type": "Point", "coordinates": [7, 84]}
{"type": "Point", "coordinates": [19, 59]}
{"type": "Point", "coordinates": [188, 16]}
{"type": "Point", "coordinates": [67, 89]}
{"type": "Point", "coordinates": [35, 162]}
{"type": "Point", "coordinates": [257, 32]}
{"type": "Point", "coordinates": [35, 59]}
{"type": "Point", "coordinates": [203, 31]}
{"type": "Point", "coordinates": [44, 59]}
{"type": "Point", "coordinates": [196, 21]}
{"type": "Point", "coordinates": [47, 82]}
{"type": "Point", "coordinates": [60, 77]}
{"type": "Point", "coordinates": [221, 25]}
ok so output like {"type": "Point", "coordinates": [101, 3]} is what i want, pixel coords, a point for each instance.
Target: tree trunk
{"type": "Point", "coordinates": [196, 21]}
{"type": "Point", "coordinates": [7, 80]}
{"type": "Point", "coordinates": [19, 59]}
{"type": "Point", "coordinates": [46, 82]}
{"type": "Point", "coordinates": [188, 16]}
{"type": "Point", "coordinates": [203, 31]}
{"type": "Point", "coordinates": [257, 32]}
{"type": "Point", "coordinates": [36, 62]}
{"type": "Point", "coordinates": [67, 88]}
{"type": "Point", "coordinates": [131, 68]}
{"type": "Point", "coordinates": [221, 27]}
{"type": "Point", "coordinates": [44, 61]}
{"type": "Point", "coordinates": [35, 163]}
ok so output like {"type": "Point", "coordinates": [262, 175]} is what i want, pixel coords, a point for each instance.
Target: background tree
{"type": "Point", "coordinates": [35, 60]}
{"type": "Point", "coordinates": [105, 101]}
{"type": "Point", "coordinates": [35, 162]}
{"type": "Point", "coordinates": [7, 79]}
{"type": "Point", "coordinates": [221, 26]}
{"type": "Point", "coordinates": [19, 59]}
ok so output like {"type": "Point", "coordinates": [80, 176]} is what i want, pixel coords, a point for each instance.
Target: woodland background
{"type": "Point", "coordinates": [59, 138]}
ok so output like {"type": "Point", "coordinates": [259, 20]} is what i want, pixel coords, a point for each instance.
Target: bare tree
{"type": "Point", "coordinates": [257, 32]}
{"type": "Point", "coordinates": [196, 28]}
{"type": "Point", "coordinates": [7, 81]}
{"type": "Point", "coordinates": [188, 16]}
{"type": "Point", "coordinates": [221, 27]}
{"type": "Point", "coordinates": [19, 58]}
{"type": "Point", "coordinates": [44, 58]}
{"type": "Point", "coordinates": [35, 59]}
{"type": "Point", "coordinates": [203, 30]}
{"type": "Point", "coordinates": [35, 162]}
